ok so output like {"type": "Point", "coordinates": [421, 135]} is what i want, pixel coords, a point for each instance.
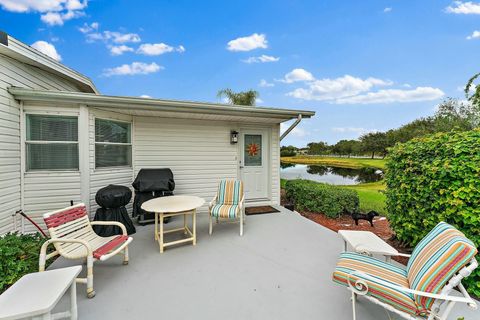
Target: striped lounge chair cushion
{"type": "Point", "coordinates": [354, 262]}
{"type": "Point", "coordinates": [230, 192]}
{"type": "Point", "coordinates": [436, 258]}
{"type": "Point", "coordinates": [225, 211]}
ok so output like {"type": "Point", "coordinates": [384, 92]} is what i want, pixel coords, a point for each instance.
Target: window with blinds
{"type": "Point", "coordinates": [51, 142]}
{"type": "Point", "coordinates": [113, 146]}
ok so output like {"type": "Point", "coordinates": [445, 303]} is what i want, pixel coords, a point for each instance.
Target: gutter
{"type": "Point", "coordinates": [299, 119]}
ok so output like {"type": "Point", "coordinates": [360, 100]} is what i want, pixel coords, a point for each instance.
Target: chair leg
{"type": "Point", "coordinates": [241, 223]}
{"type": "Point", "coordinates": [210, 224]}
{"type": "Point", "coordinates": [90, 291]}
{"type": "Point", "coordinates": [354, 300]}
{"type": "Point", "coordinates": [125, 255]}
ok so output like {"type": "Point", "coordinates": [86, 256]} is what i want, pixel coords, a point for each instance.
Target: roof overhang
{"type": "Point", "coordinates": [17, 50]}
{"type": "Point", "coordinates": [160, 107]}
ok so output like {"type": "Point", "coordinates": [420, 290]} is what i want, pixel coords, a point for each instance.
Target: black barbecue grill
{"type": "Point", "coordinates": [150, 184]}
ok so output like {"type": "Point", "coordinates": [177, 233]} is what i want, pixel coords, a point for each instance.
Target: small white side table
{"type": "Point", "coordinates": [368, 243]}
{"type": "Point", "coordinates": [36, 294]}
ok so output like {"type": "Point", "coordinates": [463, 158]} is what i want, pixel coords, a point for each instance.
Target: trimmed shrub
{"type": "Point", "coordinates": [433, 179]}
{"type": "Point", "coordinates": [322, 198]}
{"type": "Point", "coordinates": [18, 256]}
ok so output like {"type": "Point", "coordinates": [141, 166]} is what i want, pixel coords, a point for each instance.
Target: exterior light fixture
{"type": "Point", "coordinates": [233, 137]}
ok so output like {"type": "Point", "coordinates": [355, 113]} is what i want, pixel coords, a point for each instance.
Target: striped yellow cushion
{"type": "Point", "coordinates": [230, 192]}
{"type": "Point", "coordinates": [225, 211]}
{"type": "Point", "coordinates": [354, 262]}
{"type": "Point", "coordinates": [436, 258]}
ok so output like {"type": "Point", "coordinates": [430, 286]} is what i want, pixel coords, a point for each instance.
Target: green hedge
{"type": "Point", "coordinates": [433, 179]}
{"type": "Point", "coordinates": [18, 256]}
{"type": "Point", "coordinates": [319, 197]}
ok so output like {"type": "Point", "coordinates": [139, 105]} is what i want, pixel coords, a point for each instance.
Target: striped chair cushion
{"type": "Point", "coordinates": [436, 258]}
{"type": "Point", "coordinates": [225, 211]}
{"type": "Point", "coordinates": [350, 262]}
{"type": "Point", "coordinates": [230, 192]}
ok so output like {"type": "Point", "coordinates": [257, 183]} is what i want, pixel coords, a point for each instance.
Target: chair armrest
{"type": "Point", "coordinates": [240, 204]}
{"type": "Point", "coordinates": [110, 223]}
{"type": "Point", "coordinates": [43, 249]}
{"type": "Point", "coordinates": [213, 202]}
{"type": "Point", "coordinates": [361, 287]}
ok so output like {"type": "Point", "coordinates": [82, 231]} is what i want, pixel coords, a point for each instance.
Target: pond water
{"type": "Point", "coordinates": [328, 174]}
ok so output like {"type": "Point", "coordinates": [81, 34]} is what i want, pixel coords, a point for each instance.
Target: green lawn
{"type": "Point", "coordinates": [371, 196]}
{"type": "Point", "coordinates": [353, 163]}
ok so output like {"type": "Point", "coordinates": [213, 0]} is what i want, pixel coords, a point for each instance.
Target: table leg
{"type": "Point", "coordinates": [73, 301]}
{"type": "Point", "coordinates": [194, 231]}
{"type": "Point", "coordinates": [388, 259]}
{"type": "Point", "coordinates": [156, 226]}
{"type": "Point", "coordinates": [184, 223]}
{"type": "Point", "coordinates": [161, 233]}
{"type": "Point", "coordinates": [345, 246]}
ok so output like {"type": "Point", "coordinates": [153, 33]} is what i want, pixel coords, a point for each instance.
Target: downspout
{"type": "Point", "coordinates": [299, 118]}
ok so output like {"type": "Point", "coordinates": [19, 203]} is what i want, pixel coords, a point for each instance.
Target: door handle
{"type": "Point", "coordinates": [241, 167]}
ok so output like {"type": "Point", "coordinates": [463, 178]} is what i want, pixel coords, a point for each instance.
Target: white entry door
{"type": "Point", "coordinates": [254, 163]}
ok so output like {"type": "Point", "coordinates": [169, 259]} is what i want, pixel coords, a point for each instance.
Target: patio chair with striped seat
{"type": "Point", "coordinates": [437, 265]}
{"type": "Point", "coordinates": [228, 203]}
{"type": "Point", "coordinates": [73, 237]}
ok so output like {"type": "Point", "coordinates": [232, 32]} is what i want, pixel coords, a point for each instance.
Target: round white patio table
{"type": "Point", "coordinates": [171, 206]}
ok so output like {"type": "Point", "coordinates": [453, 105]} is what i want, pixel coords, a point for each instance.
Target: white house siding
{"type": "Point", "coordinates": [14, 73]}
{"type": "Point", "coordinates": [275, 163]}
{"type": "Point", "coordinates": [198, 152]}
{"type": "Point", "coordinates": [100, 178]}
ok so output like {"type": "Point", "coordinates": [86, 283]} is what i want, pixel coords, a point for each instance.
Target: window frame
{"type": "Point", "coordinates": [27, 142]}
{"type": "Point", "coordinates": [130, 123]}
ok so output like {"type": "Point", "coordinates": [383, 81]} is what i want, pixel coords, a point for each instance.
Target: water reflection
{"type": "Point", "coordinates": [328, 174]}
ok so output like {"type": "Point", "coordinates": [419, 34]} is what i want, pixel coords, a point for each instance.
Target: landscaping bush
{"type": "Point", "coordinates": [322, 198]}
{"type": "Point", "coordinates": [433, 179]}
{"type": "Point", "coordinates": [18, 256]}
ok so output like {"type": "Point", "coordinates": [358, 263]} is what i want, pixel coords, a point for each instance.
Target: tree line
{"type": "Point", "coordinates": [451, 115]}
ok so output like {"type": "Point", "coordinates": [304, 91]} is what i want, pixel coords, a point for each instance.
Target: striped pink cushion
{"type": "Point", "coordinates": [436, 258]}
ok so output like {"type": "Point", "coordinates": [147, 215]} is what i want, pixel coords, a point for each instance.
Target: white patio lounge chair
{"type": "Point", "coordinates": [228, 203]}
{"type": "Point", "coordinates": [73, 237]}
{"type": "Point", "coordinates": [437, 265]}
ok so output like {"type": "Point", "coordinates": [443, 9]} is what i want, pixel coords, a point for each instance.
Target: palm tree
{"type": "Point", "coordinates": [244, 98]}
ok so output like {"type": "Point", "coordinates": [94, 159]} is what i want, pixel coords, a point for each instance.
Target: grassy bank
{"type": "Point", "coordinates": [352, 163]}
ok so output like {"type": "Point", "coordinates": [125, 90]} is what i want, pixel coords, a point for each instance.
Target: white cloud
{"type": "Point", "coordinates": [133, 69]}
{"type": "Point", "coordinates": [146, 96]}
{"type": "Point", "coordinates": [86, 28]}
{"type": "Point", "coordinates": [261, 59]}
{"type": "Point", "coordinates": [55, 12]}
{"type": "Point", "coordinates": [394, 95]}
{"type": "Point", "coordinates": [297, 131]}
{"type": "Point", "coordinates": [387, 9]}
{"type": "Point", "coordinates": [119, 50]}
{"type": "Point", "coordinates": [258, 101]}
{"type": "Point", "coordinates": [58, 18]}
{"type": "Point", "coordinates": [331, 89]}
{"type": "Point", "coordinates": [48, 49]}
{"type": "Point", "coordinates": [111, 36]}
{"type": "Point", "coordinates": [156, 49]}
{"type": "Point", "coordinates": [359, 131]}
{"type": "Point", "coordinates": [297, 75]}
{"type": "Point", "coordinates": [252, 42]}
{"type": "Point", "coordinates": [460, 7]}
{"type": "Point", "coordinates": [474, 35]}
{"type": "Point", "coordinates": [265, 84]}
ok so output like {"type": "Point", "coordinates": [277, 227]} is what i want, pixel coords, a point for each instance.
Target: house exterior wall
{"type": "Point", "coordinates": [198, 152]}
{"type": "Point", "coordinates": [15, 73]}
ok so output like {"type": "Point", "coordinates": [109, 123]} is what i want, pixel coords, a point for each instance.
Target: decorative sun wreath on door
{"type": "Point", "coordinates": [253, 149]}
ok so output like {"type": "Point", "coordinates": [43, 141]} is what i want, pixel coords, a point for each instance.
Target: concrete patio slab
{"type": "Point", "coordinates": [280, 269]}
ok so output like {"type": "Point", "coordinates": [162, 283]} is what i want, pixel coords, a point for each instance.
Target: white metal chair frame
{"type": "Point", "coordinates": [241, 217]}
{"type": "Point", "coordinates": [89, 246]}
{"type": "Point", "coordinates": [360, 288]}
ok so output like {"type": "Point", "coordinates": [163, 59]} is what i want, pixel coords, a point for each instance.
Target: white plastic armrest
{"type": "Point", "coordinates": [110, 223]}
{"type": "Point", "coordinates": [466, 300]}
{"type": "Point", "coordinates": [213, 202]}
{"type": "Point", "coordinates": [241, 202]}
{"type": "Point", "coordinates": [43, 249]}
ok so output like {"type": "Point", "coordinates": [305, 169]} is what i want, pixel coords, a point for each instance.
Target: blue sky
{"type": "Point", "coordinates": [361, 65]}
